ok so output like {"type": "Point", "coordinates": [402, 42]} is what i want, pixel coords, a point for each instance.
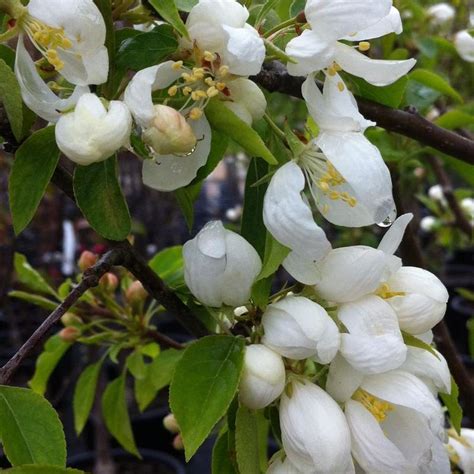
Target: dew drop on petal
{"type": "Point", "coordinates": [389, 220]}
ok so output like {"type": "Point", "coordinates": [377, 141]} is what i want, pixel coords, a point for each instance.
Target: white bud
{"type": "Point", "coordinates": [220, 266]}
{"type": "Point", "coordinates": [170, 423]}
{"type": "Point", "coordinates": [441, 13]}
{"type": "Point", "coordinates": [314, 430]}
{"type": "Point", "coordinates": [169, 132]}
{"type": "Point", "coordinates": [263, 377]}
{"type": "Point", "coordinates": [248, 101]}
{"type": "Point", "coordinates": [467, 205]}
{"type": "Point", "coordinates": [436, 192]}
{"type": "Point", "coordinates": [92, 132]}
{"type": "Point", "coordinates": [277, 466]}
{"type": "Point", "coordinates": [464, 44]}
{"type": "Point", "coordinates": [298, 328]}
{"type": "Point", "coordinates": [240, 311]}
{"type": "Point", "coordinates": [428, 223]}
{"type": "Point", "coordinates": [422, 303]}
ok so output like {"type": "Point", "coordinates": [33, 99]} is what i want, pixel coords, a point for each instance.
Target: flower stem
{"type": "Point", "coordinates": [281, 26]}
{"type": "Point", "coordinates": [276, 129]}
{"type": "Point", "coordinates": [12, 8]}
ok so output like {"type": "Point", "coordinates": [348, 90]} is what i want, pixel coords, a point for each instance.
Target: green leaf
{"type": "Point", "coordinates": [33, 167]}
{"type": "Point", "coordinates": [186, 198]}
{"type": "Point", "coordinates": [54, 349]}
{"type": "Point", "coordinates": [30, 429]}
{"type": "Point", "coordinates": [168, 11]}
{"type": "Point", "coordinates": [30, 277]}
{"type": "Point", "coordinates": [413, 341]}
{"type": "Point", "coordinates": [169, 266]}
{"type": "Point", "coordinates": [204, 383]}
{"type": "Point", "coordinates": [146, 49]}
{"type": "Point", "coordinates": [40, 301]}
{"type": "Point", "coordinates": [436, 82]}
{"type": "Point", "coordinates": [391, 95]}
{"type": "Point", "coordinates": [136, 365]}
{"type": "Point", "coordinates": [10, 97]}
{"type": "Point", "coordinates": [7, 54]}
{"type": "Point", "coordinates": [224, 120]}
{"type": "Point", "coordinates": [455, 119]}
{"type": "Point", "coordinates": [36, 469]}
{"type": "Point", "coordinates": [186, 5]}
{"type": "Point", "coordinates": [84, 394]}
{"type": "Point", "coordinates": [266, 8]}
{"type": "Point", "coordinates": [247, 441]}
{"type": "Point", "coordinates": [221, 456]}
{"type": "Point", "coordinates": [275, 253]}
{"type": "Point", "coordinates": [115, 413]}
{"type": "Point", "coordinates": [101, 200]}
{"type": "Point", "coordinates": [451, 402]}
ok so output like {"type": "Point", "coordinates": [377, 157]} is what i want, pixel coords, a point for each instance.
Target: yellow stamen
{"type": "Point", "coordinates": [378, 408]}
{"type": "Point", "coordinates": [220, 86]}
{"type": "Point", "coordinates": [341, 86]}
{"type": "Point", "coordinates": [187, 90]}
{"type": "Point", "coordinates": [209, 57]}
{"type": "Point", "coordinates": [195, 114]}
{"type": "Point", "coordinates": [223, 71]}
{"type": "Point", "coordinates": [209, 81]}
{"type": "Point", "coordinates": [385, 292]}
{"type": "Point", "coordinates": [364, 46]}
{"type": "Point", "coordinates": [177, 65]}
{"type": "Point", "coordinates": [173, 90]}
{"type": "Point", "coordinates": [212, 92]}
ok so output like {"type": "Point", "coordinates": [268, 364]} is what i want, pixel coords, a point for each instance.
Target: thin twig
{"type": "Point", "coordinates": [275, 78]}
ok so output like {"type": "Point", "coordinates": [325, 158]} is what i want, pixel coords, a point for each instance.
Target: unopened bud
{"type": "Point", "coordinates": [170, 423]}
{"type": "Point", "coordinates": [136, 293]}
{"type": "Point", "coordinates": [87, 260]}
{"type": "Point", "coordinates": [169, 133]}
{"type": "Point", "coordinates": [109, 282]}
{"type": "Point", "coordinates": [71, 319]}
{"type": "Point", "coordinates": [69, 334]}
{"type": "Point", "coordinates": [178, 443]}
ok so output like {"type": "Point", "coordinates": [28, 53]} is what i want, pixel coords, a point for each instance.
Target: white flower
{"type": "Point", "coordinates": [263, 377]}
{"type": "Point", "coordinates": [314, 431]}
{"type": "Point", "coordinates": [92, 132]}
{"type": "Point", "coordinates": [436, 193]}
{"type": "Point", "coordinates": [219, 26]}
{"type": "Point", "coordinates": [298, 328]}
{"type": "Point", "coordinates": [461, 449]}
{"type": "Point", "coordinates": [248, 101]}
{"type": "Point", "coordinates": [428, 223]}
{"type": "Point", "coordinates": [464, 44]}
{"type": "Point", "coordinates": [71, 36]}
{"type": "Point", "coordinates": [441, 13]}
{"type": "Point", "coordinates": [220, 266]}
{"type": "Point", "coordinates": [467, 205]}
{"type": "Point", "coordinates": [318, 48]}
{"type": "Point", "coordinates": [396, 423]}
{"type": "Point", "coordinates": [277, 466]}
{"type": "Point", "coordinates": [34, 91]}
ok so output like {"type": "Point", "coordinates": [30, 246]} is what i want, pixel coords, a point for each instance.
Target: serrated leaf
{"type": "Point", "coordinates": [116, 417]}
{"type": "Point", "coordinates": [247, 441]}
{"type": "Point", "coordinates": [36, 469]}
{"type": "Point", "coordinates": [146, 49]}
{"type": "Point", "coordinates": [53, 351]}
{"type": "Point", "coordinates": [221, 456]}
{"type": "Point", "coordinates": [204, 383]}
{"type": "Point", "coordinates": [84, 394]}
{"type": "Point", "coordinates": [413, 341]}
{"type": "Point", "coordinates": [34, 299]}
{"type": "Point", "coordinates": [10, 97]}
{"type": "Point", "coordinates": [33, 167]}
{"type": "Point", "coordinates": [101, 200]}
{"type": "Point", "coordinates": [169, 266]}
{"type": "Point", "coordinates": [168, 11]}
{"type": "Point", "coordinates": [224, 120]}
{"type": "Point", "coordinates": [27, 275]}
{"type": "Point", "coordinates": [436, 82]}
{"type": "Point", "coordinates": [451, 402]}
{"type": "Point", "coordinates": [30, 429]}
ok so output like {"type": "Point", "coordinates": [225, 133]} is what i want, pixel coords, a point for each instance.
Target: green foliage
{"type": "Point", "coordinates": [33, 168]}
{"type": "Point", "coordinates": [222, 456]}
{"type": "Point", "coordinates": [391, 95]}
{"type": "Point", "coordinates": [413, 341]}
{"type": "Point", "coordinates": [30, 429]}
{"type": "Point", "coordinates": [436, 82]}
{"type": "Point", "coordinates": [204, 383]}
{"type": "Point", "coordinates": [168, 11]}
{"type": "Point", "coordinates": [40, 301]}
{"type": "Point", "coordinates": [101, 200]}
{"type": "Point", "coordinates": [185, 5]}
{"type": "Point", "coordinates": [247, 441]}
{"type": "Point", "coordinates": [168, 265]}
{"type": "Point", "coordinates": [451, 401]}
{"type": "Point", "coordinates": [54, 349]}
{"type": "Point", "coordinates": [27, 275]}
{"type": "Point", "coordinates": [275, 253]}
{"type": "Point", "coordinates": [35, 469]}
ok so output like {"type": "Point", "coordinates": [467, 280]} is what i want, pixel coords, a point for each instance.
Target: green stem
{"type": "Point", "coordinates": [276, 129]}
{"type": "Point", "coordinates": [281, 26]}
{"type": "Point", "coordinates": [12, 8]}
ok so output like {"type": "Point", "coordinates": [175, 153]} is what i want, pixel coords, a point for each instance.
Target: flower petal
{"type": "Point", "coordinates": [170, 172]}
{"type": "Point", "coordinates": [301, 269]}
{"type": "Point", "coordinates": [343, 380]}
{"type": "Point", "coordinates": [289, 218]}
{"type": "Point", "coordinates": [379, 72]}
{"type": "Point", "coordinates": [393, 237]}
{"type": "Point", "coordinates": [247, 94]}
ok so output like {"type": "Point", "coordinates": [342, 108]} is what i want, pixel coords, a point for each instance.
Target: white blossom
{"type": "Point", "coordinates": [428, 223]}
{"type": "Point", "coordinates": [464, 44]}
{"type": "Point", "coordinates": [441, 13]}
{"type": "Point", "coordinates": [461, 449]}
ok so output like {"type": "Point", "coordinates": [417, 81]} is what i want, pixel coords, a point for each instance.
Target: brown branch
{"type": "Point", "coordinates": [89, 280]}
{"type": "Point", "coordinates": [445, 182]}
{"type": "Point", "coordinates": [163, 340]}
{"type": "Point", "coordinates": [275, 78]}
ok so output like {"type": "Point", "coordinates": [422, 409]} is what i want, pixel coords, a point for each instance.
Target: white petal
{"type": "Point", "coordinates": [392, 23]}
{"type": "Point", "coordinates": [311, 52]}
{"type": "Point", "coordinates": [220, 12]}
{"type": "Point", "coordinates": [379, 72]}
{"type": "Point", "coordinates": [35, 93]}
{"type": "Point", "coordinates": [366, 174]}
{"type": "Point", "coordinates": [343, 380]}
{"type": "Point", "coordinates": [138, 92]}
{"type": "Point", "coordinates": [464, 43]}
{"type": "Point", "coordinates": [374, 343]}
{"type": "Point", "coordinates": [247, 94]}
{"type": "Point", "coordinates": [339, 18]}
{"type": "Point", "coordinates": [170, 172]}
{"type": "Point", "coordinates": [373, 451]}
{"type": "Point", "coordinates": [425, 365]}
{"type": "Point", "coordinates": [348, 273]}
{"type": "Point", "coordinates": [283, 467]}
{"type": "Point", "coordinates": [439, 463]}
{"type": "Point", "coordinates": [465, 453]}
{"type": "Point", "coordinates": [289, 218]}
{"type": "Point", "coordinates": [301, 269]}
{"type": "Point", "coordinates": [393, 237]}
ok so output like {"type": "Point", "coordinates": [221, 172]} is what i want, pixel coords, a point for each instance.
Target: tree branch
{"type": "Point", "coordinates": [89, 280]}
{"type": "Point", "coordinates": [275, 78]}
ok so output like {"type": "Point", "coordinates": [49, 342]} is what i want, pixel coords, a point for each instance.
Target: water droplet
{"type": "Point", "coordinates": [388, 221]}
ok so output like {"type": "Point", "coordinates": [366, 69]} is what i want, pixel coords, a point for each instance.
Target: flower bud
{"type": "Point", "coordinates": [169, 133]}
{"type": "Point", "coordinates": [87, 260]}
{"type": "Point", "coordinates": [421, 303]}
{"type": "Point", "coordinates": [178, 443]}
{"type": "Point", "coordinates": [263, 377]}
{"type": "Point", "coordinates": [467, 205]}
{"type": "Point", "coordinates": [436, 192]}
{"type": "Point", "coordinates": [441, 13]}
{"type": "Point", "coordinates": [298, 328]}
{"type": "Point", "coordinates": [428, 223]}
{"type": "Point", "coordinates": [170, 423]}
{"type": "Point", "coordinates": [109, 282]}
{"type": "Point", "coordinates": [464, 44]}
{"type": "Point", "coordinates": [71, 319]}
{"type": "Point", "coordinates": [69, 334]}
{"type": "Point", "coordinates": [136, 293]}
{"type": "Point", "coordinates": [314, 431]}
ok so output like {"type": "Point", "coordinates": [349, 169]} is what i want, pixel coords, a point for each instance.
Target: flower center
{"type": "Point", "coordinates": [378, 408]}
{"type": "Point", "coordinates": [48, 40]}
{"type": "Point", "coordinates": [385, 292]}
{"type": "Point", "coordinates": [199, 84]}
